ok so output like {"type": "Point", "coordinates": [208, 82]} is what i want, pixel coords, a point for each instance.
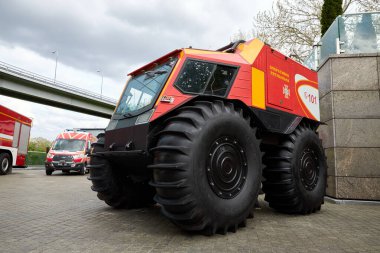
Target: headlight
{"type": "Point", "coordinates": [145, 117]}
{"type": "Point", "coordinates": [78, 156]}
{"type": "Point", "coordinates": [49, 155]}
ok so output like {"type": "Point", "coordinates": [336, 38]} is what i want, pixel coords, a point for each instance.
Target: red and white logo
{"type": "Point", "coordinates": [167, 99]}
{"type": "Point", "coordinates": [286, 91]}
{"type": "Point", "coordinates": [308, 96]}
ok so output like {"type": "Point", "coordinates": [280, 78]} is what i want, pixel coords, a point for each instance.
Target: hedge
{"type": "Point", "coordinates": [35, 158]}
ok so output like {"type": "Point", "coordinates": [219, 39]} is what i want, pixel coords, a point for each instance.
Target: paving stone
{"type": "Point", "coordinates": [378, 70]}
{"type": "Point", "coordinates": [326, 107]}
{"type": "Point", "coordinates": [353, 104]}
{"type": "Point", "coordinates": [354, 162]}
{"type": "Point", "coordinates": [356, 73]}
{"type": "Point", "coordinates": [60, 213]}
{"type": "Point", "coordinates": [358, 188]}
{"type": "Point", "coordinates": [357, 132]}
{"type": "Point", "coordinates": [326, 133]}
{"type": "Point", "coordinates": [324, 79]}
{"type": "Point", "coordinates": [331, 186]}
{"type": "Point", "coordinates": [330, 158]}
{"type": "Point", "coordinates": [348, 133]}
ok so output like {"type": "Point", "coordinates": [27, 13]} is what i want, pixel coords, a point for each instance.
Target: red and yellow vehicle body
{"type": "Point", "coordinates": [265, 79]}
{"type": "Point", "coordinates": [276, 90]}
{"type": "Point", "coordinates": [14, 135]}
{"type": "Point", "coordinates": [68, 151]}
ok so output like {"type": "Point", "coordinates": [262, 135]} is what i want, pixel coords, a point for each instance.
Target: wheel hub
{"type": "Point", "coordinates": [309, 169]}
{"type": "Point", "coordinates": [226, 167]}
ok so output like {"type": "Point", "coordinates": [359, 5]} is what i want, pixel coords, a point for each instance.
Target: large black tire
{"type": "Point", "coordinates": [113, 186]}
{"type": "Point", "coordinates": [207, 168]}
{"type": "Point", "coordinates": [48, 172]}
{"type": "Point", "coordinates": [5, 164]}
{"type": "Point", "coordinates": [295, 172]}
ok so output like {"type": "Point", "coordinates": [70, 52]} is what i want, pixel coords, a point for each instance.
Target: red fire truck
{"type": "Point", "coordinates": [14, 139]}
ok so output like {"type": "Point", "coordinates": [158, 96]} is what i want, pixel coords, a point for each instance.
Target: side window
{"type": "Point", "coordinates": [194, 76]}
{"type": "Point", "coordinates": [206, 78]}
{"type": "Point", "coordinates": [220, 80]}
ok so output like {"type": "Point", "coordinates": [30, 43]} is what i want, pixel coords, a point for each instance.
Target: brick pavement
{"type": "Point", "coordinates": [61, 214]}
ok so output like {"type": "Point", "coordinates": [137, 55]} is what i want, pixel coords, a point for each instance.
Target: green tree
{"type": "Point", "coordinates": [330, 10]}
{"type": "Point", "coordinates": [39, 144]}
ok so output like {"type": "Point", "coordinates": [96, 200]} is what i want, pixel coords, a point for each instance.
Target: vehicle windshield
{"type": "Point", "coordinates": [142, 90]}
{"type": "Point", "coordinates": [71, 145]}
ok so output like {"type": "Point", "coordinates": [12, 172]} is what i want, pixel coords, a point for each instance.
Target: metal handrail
{"type": "Point", "coordinates": [53, 83]}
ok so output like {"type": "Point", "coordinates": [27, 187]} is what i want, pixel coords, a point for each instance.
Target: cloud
{"type": "Point", "coordinates": [115, 37]}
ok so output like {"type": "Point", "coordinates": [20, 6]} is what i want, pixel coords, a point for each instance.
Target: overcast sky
{"type": "Point", "coordinates": [114, 37]}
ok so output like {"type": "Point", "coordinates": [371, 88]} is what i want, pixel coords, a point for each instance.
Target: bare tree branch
{"type": "Point", "coordinates": [293, 26]}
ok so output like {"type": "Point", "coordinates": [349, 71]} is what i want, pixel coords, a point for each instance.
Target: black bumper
{"type": "Point", "coordinates": [64, 167]}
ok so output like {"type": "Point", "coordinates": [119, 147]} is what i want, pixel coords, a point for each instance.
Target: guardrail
{"type": "Point", "coordinates": [53, 83]}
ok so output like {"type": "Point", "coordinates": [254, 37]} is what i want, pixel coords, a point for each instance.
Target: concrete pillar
{"type": "Point", "coordinates": [350, 107]}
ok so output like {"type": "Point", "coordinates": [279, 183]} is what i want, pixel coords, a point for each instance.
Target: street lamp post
{"type": "Point", "coordinates": [101, 86]}
{"type": "Point", "coordinates": [56, 63]}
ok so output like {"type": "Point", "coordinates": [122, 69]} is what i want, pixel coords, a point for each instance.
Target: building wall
{"type": "Point", "coordinates": [350, 107]}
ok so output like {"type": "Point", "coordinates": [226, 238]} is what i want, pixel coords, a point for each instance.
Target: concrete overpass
{"type": "Point", "coordinates": [25, 85]}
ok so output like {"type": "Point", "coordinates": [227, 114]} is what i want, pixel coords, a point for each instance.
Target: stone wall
{"type": "Point", "coordinates": [350, 106]}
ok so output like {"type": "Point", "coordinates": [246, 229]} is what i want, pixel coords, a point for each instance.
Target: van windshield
{"type": "Point", "coordinates": [142, 90]}
{"type": "Point", "coordinates": [71, 145]}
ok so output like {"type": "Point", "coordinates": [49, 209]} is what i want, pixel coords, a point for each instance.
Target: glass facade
{"type": "Point", "coordinates": [349, 34]}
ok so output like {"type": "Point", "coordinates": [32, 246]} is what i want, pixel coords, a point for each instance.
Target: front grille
{"type": "Point", "coordinates": [66, 158]}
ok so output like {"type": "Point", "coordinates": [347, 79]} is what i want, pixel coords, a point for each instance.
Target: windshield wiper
{"type": "Point", "coordinates": [151, 74]}
{"type": "Point", "coordinates": [128, 115]}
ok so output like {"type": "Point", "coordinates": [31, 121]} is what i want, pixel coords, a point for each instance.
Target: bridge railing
{"type": "Point", "coordinates": [54, 83]}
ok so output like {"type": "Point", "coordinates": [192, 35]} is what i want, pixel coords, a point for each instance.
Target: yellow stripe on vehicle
{"type": "Point", "coordinates": [16, 119]}
{"type": "Point", "coordinates": [258, 88]}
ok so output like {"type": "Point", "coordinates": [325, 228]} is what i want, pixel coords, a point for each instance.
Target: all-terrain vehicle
{"type": "Point", "coordinates": [199, 132]}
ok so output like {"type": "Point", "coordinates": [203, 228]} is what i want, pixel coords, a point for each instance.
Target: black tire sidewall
{"type": "Point", "coordinates": [106, 174]}
{"type": "Point", "coordinates": [313, 198]}
{"type": "Point", "coordinates": [225, 210]}
{"type": "Point", "coordinates": [118, 193]}
{"type": "Point", "coordinates": [4, 156]}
